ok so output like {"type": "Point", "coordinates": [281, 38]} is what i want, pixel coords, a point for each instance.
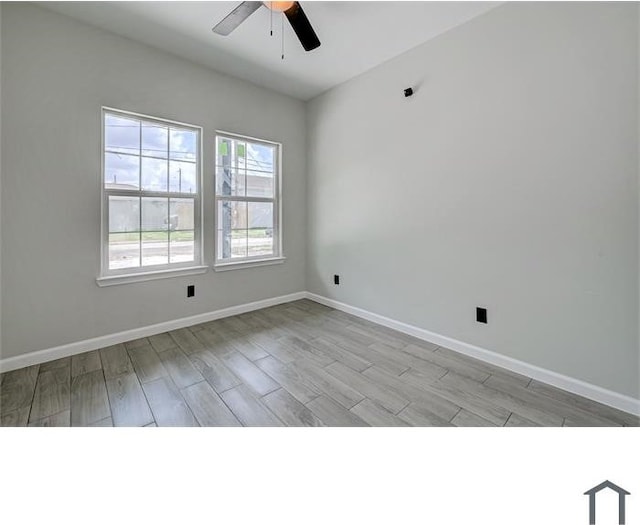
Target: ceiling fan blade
{"type": "Point", "coordinates": [236, 17]}
{"type": "Point", "coordinates": [302, 27]}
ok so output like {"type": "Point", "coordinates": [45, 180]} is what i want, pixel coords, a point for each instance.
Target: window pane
{"type": "Point", "coordinates": [182, 177]}
{"type": "Point", "coordinates": [230, 183]}
{"type": "Point", "coordinates": [124, 214]}
{"type": "Point", "coordinates": [238, 215]}
{"type": "Point", "coordinates": [259, 184]}
{"type": "Point", "coordinates": [260, 170]}
{"type": "Point", "coordinates": [124, 250]}
{"type": "Point", "coordinates": [181, 214]}
{"type": "Point", "coordinates": [154, 174]}
{"type": "Point", "coordinates": [155, 140]}
{"type": "Point", "coordinates": [121, 171]}
{"type": "Point", "coordinates": [121, 134]}
{"type": "Point", "coordinates": [232, 229]}
{"type": "Point", "coordinates": [239, 158]}
{"type": "Point", "coordinates": [182, 246]}
{"type": "Point", "coordinates": [155, 248]}
{"type": "Point", "coordinates": [224, 152]}
{"type": "Point", "coordinates": [230, 167]}
{"type": "Point", "coordinates": [238, 243]}
{"type": "Point", "coordinates": [260, 157]}
{"type": "Point", "coordinates": [155, 214]}
{"type": "Point", "coordinates": [260, 239]}
{"type": "Point", "coordinates": [184, 144]}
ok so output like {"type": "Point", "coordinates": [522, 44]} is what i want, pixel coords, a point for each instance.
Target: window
{"type": "Point", "coordinates": [151, 194]}
{"type": "Point", "coordinates": [247, 200]}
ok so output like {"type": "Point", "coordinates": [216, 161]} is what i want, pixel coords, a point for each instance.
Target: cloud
{"type": "Point", "coordinates": [123, 164]}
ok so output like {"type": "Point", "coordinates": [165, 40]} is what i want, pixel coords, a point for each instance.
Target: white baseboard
{"type": "Point", "coordinates": [570, 384]}
{"type": "Point", "coordinates": [49, 354]}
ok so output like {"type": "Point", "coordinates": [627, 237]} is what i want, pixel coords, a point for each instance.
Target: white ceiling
{"type": "Point", "coordinates": [355, 36]}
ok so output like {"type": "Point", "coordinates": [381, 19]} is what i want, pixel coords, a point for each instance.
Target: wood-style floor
{"type": "Point", "coordinates": [298, 364]}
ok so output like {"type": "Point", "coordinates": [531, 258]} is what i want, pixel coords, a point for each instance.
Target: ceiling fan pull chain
{"type": "Point", "coordinates": [282, 19]}
{"type": "Point", "coordinates": [292, 10]}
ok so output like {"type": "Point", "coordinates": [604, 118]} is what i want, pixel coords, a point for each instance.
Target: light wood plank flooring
{"type": "Point", "coordinates": [297, 364]}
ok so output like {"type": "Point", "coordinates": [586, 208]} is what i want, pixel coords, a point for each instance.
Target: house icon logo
{"type": "Point", "coordinates": [622, 494]}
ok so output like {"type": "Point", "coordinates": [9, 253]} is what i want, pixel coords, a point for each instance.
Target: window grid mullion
{"type": "Point", "coordinates": [156, 194]}
{"type": "Point", "coordinates": [169, 230]}
{"type": "Point", "coordinates": [236, 198]}
{"type": "Point", "coordinates": [246, 187]}
{"type": "Point", "coordinates": [169, 198]}
{"type": "Point", "coordinates": [246, 221]}
{"type": "Point", "coordinates": [140, 198]}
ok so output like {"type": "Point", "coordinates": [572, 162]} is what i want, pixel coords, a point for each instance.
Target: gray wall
{"type": "Point", "coordinates": [509, 180]}
{"type": "Point", "coordinates": [0, 178]}
{"type": "Point", "coordinates": [57, 73]}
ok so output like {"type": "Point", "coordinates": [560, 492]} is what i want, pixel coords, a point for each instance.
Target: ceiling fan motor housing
{"type": "Point", "coordinates": [279, 7]}
{"type": "Point", "coordinates": [292, 11]}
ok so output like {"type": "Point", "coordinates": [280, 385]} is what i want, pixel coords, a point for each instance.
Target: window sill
{"type": "Point", "coordinates": [113, 280]}
{"type": "Point", "coordinates": [239, 265]}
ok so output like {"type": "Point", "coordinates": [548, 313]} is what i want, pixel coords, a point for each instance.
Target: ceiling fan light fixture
{"type": "Point", "coordinates": [278, 7]}
{"type": "Point", "coordinates": [292, 11]}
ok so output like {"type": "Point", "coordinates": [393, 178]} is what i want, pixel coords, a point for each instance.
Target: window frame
{"type": "Point", "coordinates": [109, 276]}
{"type": "Point", "coordinates": [278, 250]}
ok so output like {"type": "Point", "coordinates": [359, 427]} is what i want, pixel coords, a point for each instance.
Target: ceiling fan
{"type": "Point", "coordinates": [292, 10]}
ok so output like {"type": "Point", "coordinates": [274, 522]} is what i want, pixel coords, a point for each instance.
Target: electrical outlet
{"type": "Point", "coordinates": [336, 279]}
{"type": "Point", "coordinates": [481, 315]}
{"type": "Point", "coordinates": [191, 290]}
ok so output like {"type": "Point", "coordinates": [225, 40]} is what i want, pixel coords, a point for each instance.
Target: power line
{"type": "Point", "coordinates": [175, 151]}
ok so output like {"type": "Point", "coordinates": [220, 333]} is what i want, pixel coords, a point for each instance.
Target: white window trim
{"type": "Point", "coordinates": [252, 263]}
{"type": "Point", "coordinates": [113, 280]}
{"type": "Point", "coordinates": [278, 257]}
{"type": "Point", "coordinates": [145, 273]}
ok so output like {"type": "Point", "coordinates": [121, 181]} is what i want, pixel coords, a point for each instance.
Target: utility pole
{"type": "Point", "coordinates": [226, 206]}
